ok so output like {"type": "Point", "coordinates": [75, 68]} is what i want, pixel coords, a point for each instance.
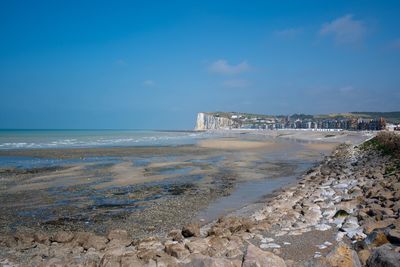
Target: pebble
{"type": "Point", "coordinates": [322, 227]}
{"type": "Point", "coordinates": [270, 245]}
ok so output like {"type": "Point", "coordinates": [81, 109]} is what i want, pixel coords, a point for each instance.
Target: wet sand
{"type": "Point", "coordinates": [151, 190]}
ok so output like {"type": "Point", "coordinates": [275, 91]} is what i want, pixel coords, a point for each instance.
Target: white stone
{"type": "Point", "coordinates": [270, 245]}
{"type": "Point", "coordinates": [322, 227]}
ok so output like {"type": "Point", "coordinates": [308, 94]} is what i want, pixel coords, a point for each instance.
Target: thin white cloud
{"type": "Point", "coordinates": [148, 83]}
{"type": "Point", "coordinates": [223, 67]}
{"type": "Point", "coordinates": [345, 29]}
{"type": "Point", "coordinates": [236, 83]}
{"type": "Point", "coordinates": [289, 33]}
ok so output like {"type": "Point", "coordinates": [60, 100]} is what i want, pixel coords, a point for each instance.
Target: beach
{"type": "Point", "coordinates": [149, 191]}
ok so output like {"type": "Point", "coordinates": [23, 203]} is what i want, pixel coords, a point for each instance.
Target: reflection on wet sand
{"type": "Point", "coordinates": [148, 190]}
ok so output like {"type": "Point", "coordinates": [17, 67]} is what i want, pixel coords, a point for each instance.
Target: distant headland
{"type": "Point", "coordinates": [356, 121]}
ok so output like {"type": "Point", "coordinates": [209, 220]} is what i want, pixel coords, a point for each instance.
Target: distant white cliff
{"type": "Point", "coordinates": [206, 121]}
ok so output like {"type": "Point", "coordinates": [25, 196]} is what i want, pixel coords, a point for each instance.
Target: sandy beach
{"type": "Point", "coordinates": [149, 191]}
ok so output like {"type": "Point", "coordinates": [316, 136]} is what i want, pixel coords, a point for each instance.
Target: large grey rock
{"type": "Point", "coordinates": [384, 256]}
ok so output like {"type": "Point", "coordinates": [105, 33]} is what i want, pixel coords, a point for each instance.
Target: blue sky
{"type": "Point", "coordinates": [155, 64]}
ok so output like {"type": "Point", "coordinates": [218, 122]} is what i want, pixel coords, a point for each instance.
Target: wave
{"type": "Point", "coordinates": [96, 140]}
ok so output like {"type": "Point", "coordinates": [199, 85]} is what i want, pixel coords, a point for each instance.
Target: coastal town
{"type": "Point", "coordinates": [332, 122]}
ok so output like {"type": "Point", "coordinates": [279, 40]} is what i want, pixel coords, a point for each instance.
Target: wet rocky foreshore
{"type": "Point", "coordinates": [345, 212]}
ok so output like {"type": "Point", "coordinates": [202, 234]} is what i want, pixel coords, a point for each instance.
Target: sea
{"type": "Point", "coordinates": [29, 139]}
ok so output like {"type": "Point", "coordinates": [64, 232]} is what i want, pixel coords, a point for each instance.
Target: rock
{"type": "Point", "coordinates": [343, 256]}
{"type": "Point", "coordinates": [322, 227]}
{"type": "Point", "coordinates": [269, 245]}
{"type": "Point", "coordinates": [256, 257]}
{"type": "Point", "coordinates": [41, 237]}
{"type": "Point", "coordinates": [376, 238]}
{"type": "Point", "coordinates": [384, 256]}
{"type": "Point", "coordinates": [96, 242]}
{"type": "Point", "coordinates": [8, 241]}
{"type": "Point", "coordinates": [175, 235]}
{"type": "Point", "coordinates": [112, 258]}
{"type": "Point", "coordinates": [393, 235]}
{"type": "Point", "coordinates": [190, 230]}
{"type": "Point", "coordinates": [219, 231]}
{"type": "Point", "coordinates": [176, 250]}
{"type": "Point", "coordinates": [25, 240]}
{"type": "Point", "coordinates": [363, 255]}
{"type": "Point", "coordinates": [199, 245]}
{"type": "Point", "coordinates": [218, 246]}
{"type": "Point", "coordinates": [198, 260]}
{"type": "Point", "coordinates": [118, 238]}
{"type": "Point", "coordinates": [150, 243]}
{"type": "Point", "coordinates": [62, 237]}
{"type": "Point", "coordinates": [130, 260]}
{"type": "Point", "coordinates": [118, 234]}
{"type": "Point", "coordinates": [371, 225]}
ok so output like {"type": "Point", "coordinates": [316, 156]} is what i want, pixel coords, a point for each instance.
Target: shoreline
{"type": "Point", "coordinates": [275, 227]}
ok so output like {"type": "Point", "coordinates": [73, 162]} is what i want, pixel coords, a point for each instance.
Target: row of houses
{"type": "Point", "coordinates": [355, 124]}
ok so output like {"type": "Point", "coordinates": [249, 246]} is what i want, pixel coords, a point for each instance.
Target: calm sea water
{"type": "Point", "coordinates": [25, 139]}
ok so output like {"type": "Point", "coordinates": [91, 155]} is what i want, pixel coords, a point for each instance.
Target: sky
{"type": "Point", "coordinates": [155, 64]}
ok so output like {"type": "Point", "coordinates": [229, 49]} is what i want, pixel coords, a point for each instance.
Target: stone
{"type": "Point", "coordinates": [372, 225]}
{"type": "Point", "coordinates": [322, 227]}
{"type": "Point", "coordinates": [343, 256]}
{"type": "Point", "coordinates": [96, 242]}
{"type": "Point", "coordinates": [62, 237]}
{"type": "Point", "coordinates": [118, 234]}
{"type": "Point", "coordinates": [175, 235]}
{"type": "Point", "coordinates": [219, 231]}
{"type": "Point", "coordinates": [41, 237]}
{"type": "Point", "coordinates": [256, 257]}
{"type": "Point", "coordinates": [176, 250]}
{"type": "Point", "coordinates": [393, 235]}
{"type": "Point", "coordinates": [363, 255]}
{"type": "Point", "coordinates": [192, 229]}
{"type": "Point", "coordinates": [150, 243]}
{"type": "Point", "coordinates": [269, 245]}
{"type": "Point", "coordinates": [376, 238]}
{"type": "Point", "coordinates": [199, 245]}
{"type": "Point", "coordinates": [384, 256]}
{"type": "Point", "coordinates": [112, 258]}
{"type": "Point", "coordinates": [198, 260]}
{"type": "Point", "coordinates": [218, 246]}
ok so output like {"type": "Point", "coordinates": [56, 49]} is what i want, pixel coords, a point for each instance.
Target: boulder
{"type": "Point", "coordinates": [118, 234]}
{"type": "Point", "coordinates": [363, 255]}
{"type": "Point", "coordinates": [384, 256]}
{"type": "Point", "coordinates": [62, 237]}
{"type": "Point", "coordinates": [199, 245]}
{"type": "Point", "coordinates": [376, 238]}
{"type": "Point", "coordinates": [256, 257]}
{"type": "Point", "coordinates": [112, 258]}
{"type": "Point", "coordinates": [393, 235]}
{"type": "Point", "coordinates": [96, 242]}
{"type": "Point", "coordinates": [41, 237]}
{"type": "Point", "coordinates": [198, 260]}
{"type": "Point", "coordinates": [343, 256]}
{"type": "Point", "coordinates": [192, 229]}
{"type": "Point", "coordinates": [118, 238]}
{"type": "Point", "coordinates": [176, 250]}
{"type": "Point", "coordinates": [369, 226]}
{"type": "Point", "coordinates": [176, 235]}
{"type": "Point", "coordinates": [218, 246]}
